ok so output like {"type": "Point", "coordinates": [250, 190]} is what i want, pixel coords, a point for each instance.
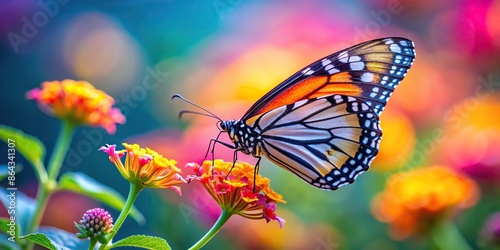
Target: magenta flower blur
{"type": "Point", "coordinates": [491, 230]}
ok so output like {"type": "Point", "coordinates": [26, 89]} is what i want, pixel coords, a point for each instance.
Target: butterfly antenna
{"type": "Point", "coordinates": [194, 113]}
{"type": "Point", "coordinates": [208, 113]}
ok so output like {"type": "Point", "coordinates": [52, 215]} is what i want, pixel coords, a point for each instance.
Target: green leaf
{"type": "Point", "coordinates": [4, 170]}
{"type": "Point", "coordinates": [20, 206]}
{"type": "Point", "coordinates": [29, 146]}
{"type": "Point", "coordinates": [43, 240]}
{"type": "Point", "coordinates": [3, 224]}
{"type": "Point", "coordinates": [64, 239]}
{"type": "Point", "coordinates": [143, 241]}
{"type": "Point", "coordinates": [56, 239]}
{"type": "Point", "coordinates": [83, 184]}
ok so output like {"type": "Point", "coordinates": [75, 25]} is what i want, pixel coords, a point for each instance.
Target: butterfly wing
{"type": "Point", "coordinates": [326, 141]}
{"type": "Point", "coordinates": [369, 71]}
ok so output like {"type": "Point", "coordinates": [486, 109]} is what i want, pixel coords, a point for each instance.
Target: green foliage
{"type": "Point", "coordinates": [24, 206]}
{"type": "Point", "coordinates": [4, 170]}
{"type": "Point", "coordinates": [3, 224]}
{"type": "Point", "coordinates": [57, 239]}
{"type": "Point", "coordinates": [43, 240]}
{"type": "Point", "coordinates": [29, 146]}
{"type": "Point", "coordinates": [83, 184]}
{"type": "Point", "coordinates": [143, 241]}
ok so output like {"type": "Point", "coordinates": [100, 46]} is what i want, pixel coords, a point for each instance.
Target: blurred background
{"type": "Point", "coordinates": [224, 55]}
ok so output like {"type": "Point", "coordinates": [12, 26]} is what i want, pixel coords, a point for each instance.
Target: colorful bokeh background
{"type": "Point", "coordinates": [224, 55]}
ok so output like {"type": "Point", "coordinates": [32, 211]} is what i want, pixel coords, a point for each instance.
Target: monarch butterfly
{"type": "Point", "coordinates": [322, 123]}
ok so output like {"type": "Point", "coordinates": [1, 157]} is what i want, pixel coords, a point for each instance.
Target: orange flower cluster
{"type": "Point", "coordinates": [232, 187]}
{"type": "Point", "coordinates": [145, 167]}
{"type": "Point", "coordinates": [78, 103]}
{"type": "Point", "coordinates": [413, 202]}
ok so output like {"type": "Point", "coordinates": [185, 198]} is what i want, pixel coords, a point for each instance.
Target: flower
{"type": "Point", "coordinates": [145, 167]}
{"type": "Point", "coordinates": [96, 223]}
{"type": "Point", "coordinates": [491, 229]}
{"type": "Point", "coordinates": [472, 137]}
{"type": "Point", "coordinates": [232, 187]}
{"type": "Point", "coordinates": [398, 141]}
{"type": "Point", "coordinates": [77, 102]}
{"type": "Point", "coordinates": [412, 203]}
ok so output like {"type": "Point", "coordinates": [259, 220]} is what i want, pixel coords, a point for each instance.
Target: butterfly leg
{"type": "Point", "coordinates": [235, 158]}
{"type": "Point", "coordinates": [212, 144]}
{"type": "Point", "coordinates": [255, 172]}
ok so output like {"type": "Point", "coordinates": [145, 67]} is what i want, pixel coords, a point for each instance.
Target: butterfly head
{"type": "Point", "coordinates": [226, 126]}
{"type": "Point", "coordinates": [245, 139]}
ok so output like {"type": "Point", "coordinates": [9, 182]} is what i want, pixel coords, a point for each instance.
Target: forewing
{"type": "Point", "coordinates": [368, 71]}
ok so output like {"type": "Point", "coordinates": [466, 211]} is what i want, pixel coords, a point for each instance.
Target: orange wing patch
{"type": "Point", "coordinates": [313, 87]}
{"type": "Point", "coordinates": [297, 92]}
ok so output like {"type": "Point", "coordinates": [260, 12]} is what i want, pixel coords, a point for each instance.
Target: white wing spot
{"type": "Point", "coordinates": [357, 65]}
{"type": "Point", "coordinates": [364, 107]}
{"type": "Point", "coordinates": [367, 123]}
{"type": "Point", "coordinates": [395, 48]}
{"type": "Point", "coordinates": [367, 77]}
{"type": "Point", "coordinates": [325, 62]}
{"type": "Point", "coordinates": [343, 57]}
{"type": "Point", "coordinates": [354, 59]}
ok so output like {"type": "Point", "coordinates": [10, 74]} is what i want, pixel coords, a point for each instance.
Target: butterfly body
{"type": "Point", "coordinates": [322, 123]}
{"type": "Point", "coordinates": [244, 137]}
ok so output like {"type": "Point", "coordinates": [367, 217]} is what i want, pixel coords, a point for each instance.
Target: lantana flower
{"type": "Point", "coordinates": [415, 202]}
{"type": "Point", "coordinates": [232, 187]}
{"type": "Point", "coordinates": [145, 167]}
{"type": "Point", "coordinates": [95, 224]}
{"type": "Point", "coordinates": [78, 103]}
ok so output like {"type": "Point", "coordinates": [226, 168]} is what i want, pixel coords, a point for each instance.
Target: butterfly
{"type": "Point", "coordinates": [323, 123]}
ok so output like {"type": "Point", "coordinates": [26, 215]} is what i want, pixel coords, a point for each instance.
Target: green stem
{"type": "Point", "coordinates": [92, 244]}
{"type": "Point", "coordinates": [445, 235]}
{"type": "Point", "coordinates": [132, 195]}
{"type": "Point", "coordinates": [40, 172]}
{"type": "Point", "coordinates": [47, 185]}
{"type": "Point", "coordinates": [224, 216]}
{"type": "Point", "coordinates": [60, 150]}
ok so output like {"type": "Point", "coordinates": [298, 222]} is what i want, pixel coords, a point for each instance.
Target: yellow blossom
{"type": "Point", "coordinates": [414, 201]}
{"type": "Point", "coordinates": [145, 167]}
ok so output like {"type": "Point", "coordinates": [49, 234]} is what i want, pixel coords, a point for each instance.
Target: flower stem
{"type": "Point", "coordinates": [92, 244]}
{"type": "Point", "coordinates": [445, 235]}
{"type": "Point", "coordinates": [132, 195]}
{"type": "Point", "coordinates": [46, 186]}
{"type": "Point", "coordinates": [224, 216]}
{"type": "Point", "coordinates": [60, 150]}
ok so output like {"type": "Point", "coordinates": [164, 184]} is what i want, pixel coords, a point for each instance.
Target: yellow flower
{"type": "Point", "coordinates": [232, 187]}
{"type": "Point", "coordinates": [145, 167]}
{"type": "Point", "coordinates": [78, 103]}
{"type": "Point", "coordinates": [413, 202]}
